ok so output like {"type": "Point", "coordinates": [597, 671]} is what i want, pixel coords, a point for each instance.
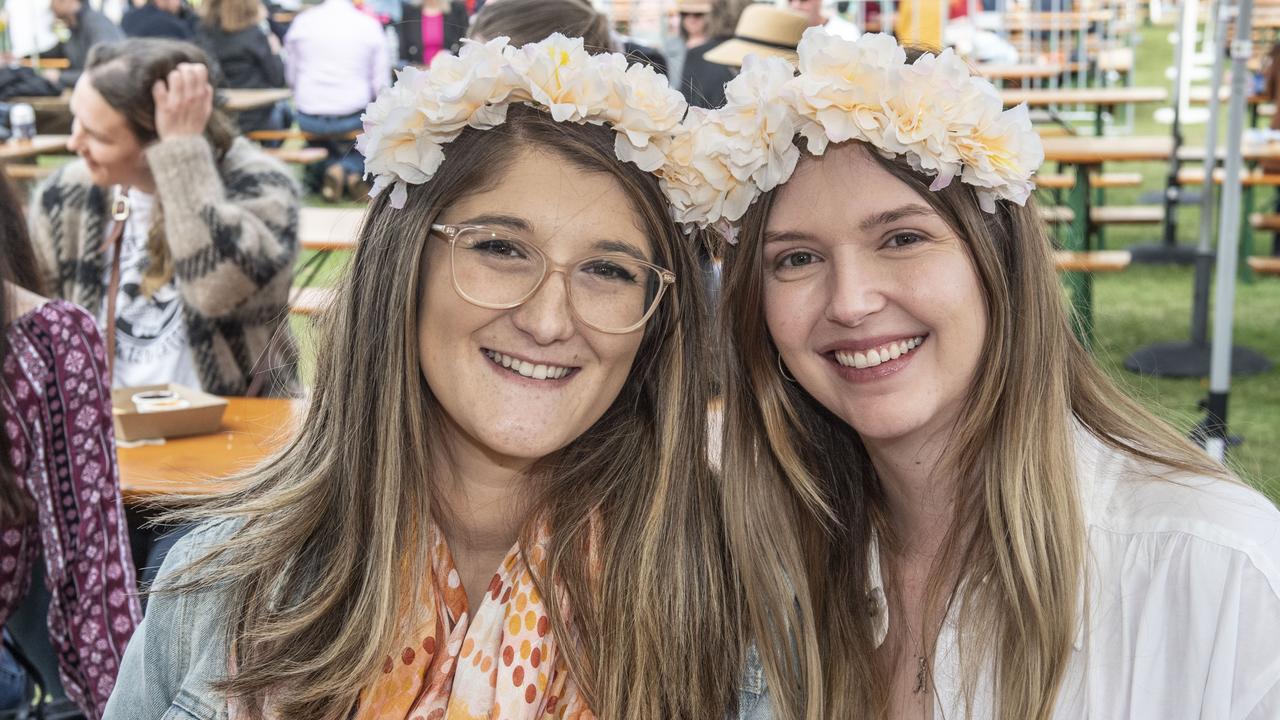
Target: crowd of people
{"type": "Point", "coordinates": [734, 382]}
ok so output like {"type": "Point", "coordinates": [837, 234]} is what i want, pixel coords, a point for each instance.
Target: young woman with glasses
{"type": "Point", "coordinates": [498, 503]}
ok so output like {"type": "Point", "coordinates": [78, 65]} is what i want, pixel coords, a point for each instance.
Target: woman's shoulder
{"type": "Point", "coordinates": [58, 326]}
{"type": "Point", "coordinates": [1200, 516]}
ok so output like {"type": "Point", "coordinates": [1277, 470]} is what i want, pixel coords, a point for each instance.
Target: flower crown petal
{"type": "Point", "coordinates": [407, 126]}
{"type": "Point", "coordinates": [944, 122]}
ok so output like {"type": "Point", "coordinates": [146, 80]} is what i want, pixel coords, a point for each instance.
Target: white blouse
{"type": "Point", "coordinates": [1182, 617]}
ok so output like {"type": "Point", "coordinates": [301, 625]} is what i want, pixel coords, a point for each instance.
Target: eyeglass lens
{"type": "Point", "coordinates": [611, 292]}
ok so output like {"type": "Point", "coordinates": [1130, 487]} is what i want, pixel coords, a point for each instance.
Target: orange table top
{"type": "Point", "coordinates": [252, 428]}
{"type": "Point", "coordinates": [1084, 96]}
{"type": "Point", "coordinates": [38, 145]}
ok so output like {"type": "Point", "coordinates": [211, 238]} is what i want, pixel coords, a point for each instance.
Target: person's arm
{"type": "Point", "coordinates": [293, 54]}
{"type": "Point", "coordinates": [93, 608]}
{"type": "Point", "coordinates": [41, 228]}
{"type": "Point", "coordinates": [226, 246]}
{"type": "Point", "coordinates": [271, 64]}
{"type": "Point", "coordinates": [380, 68]}
{"type": "Point", "coordinates": [178, 639]}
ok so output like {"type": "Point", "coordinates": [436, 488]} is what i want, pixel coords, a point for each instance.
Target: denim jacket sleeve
{"type": "Point", "coordinates": [753, 692]}
{"type": "Point", "coordinates": [178, 650]}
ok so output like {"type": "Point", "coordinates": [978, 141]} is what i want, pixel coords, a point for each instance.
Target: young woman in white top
{"type": "Point", "coordinates": [940, 506]}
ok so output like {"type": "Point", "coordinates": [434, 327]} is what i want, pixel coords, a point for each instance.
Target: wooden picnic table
{"type": "Point", "coordinates": [1088, 153]}
{"type": "Point", "coordinates": [252, 428]}
{"type": "Point", "coordinates": [36, 146]}
{"type": "Point", "coordinates": [1101, 98]}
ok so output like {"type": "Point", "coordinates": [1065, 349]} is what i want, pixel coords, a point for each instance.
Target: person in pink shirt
{"type": "Point", "coordinates": [337, 59]}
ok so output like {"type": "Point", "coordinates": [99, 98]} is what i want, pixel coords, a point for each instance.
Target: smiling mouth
{"type": "Point", "coordinates": [523, 368]}
{"type": "Point", "coordinates": [876, 356]}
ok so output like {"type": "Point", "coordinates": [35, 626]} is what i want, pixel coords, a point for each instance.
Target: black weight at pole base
{"type": "Point", "coordinates": [1163, 254]}
{"type": "Point", "coordinates": [1214, 424]}
{"type": "Point", "coordinates": [1190, 360]}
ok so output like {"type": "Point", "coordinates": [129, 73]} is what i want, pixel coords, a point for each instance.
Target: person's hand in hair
{"type": "Point", "coordinates": [184, 101]}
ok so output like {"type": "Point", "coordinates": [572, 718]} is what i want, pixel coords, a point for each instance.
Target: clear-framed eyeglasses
{"type": "Point", "coordinates": [613, 293]}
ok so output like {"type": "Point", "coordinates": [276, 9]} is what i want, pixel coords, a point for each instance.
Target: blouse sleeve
{"type": "Point", "coordinates": [89, 570]}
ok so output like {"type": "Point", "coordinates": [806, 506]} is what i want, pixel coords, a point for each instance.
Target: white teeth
{"type": "Point", "coordinates": [877, 356]}
{"type": "Point", "coordinates": [527, 369]}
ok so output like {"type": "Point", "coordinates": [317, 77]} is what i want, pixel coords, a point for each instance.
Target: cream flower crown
{"type": "Point", "coordinates": [407, 126]}
{"type": "Point", "coordinates": [944, 121]}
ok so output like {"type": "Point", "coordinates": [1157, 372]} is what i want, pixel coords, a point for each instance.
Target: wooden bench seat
{"type": "Point", "coordinates": [1092, 261]}
{"type": "Point", "coordinates": [1127, 214]}
{"type": "Point", "coordinates": [328, 229]}
{"type": "Point", "coordinates": [1255, 178]}
{"type": "Point", "coordinates": [310, 301]}
{"type": "Point", "coordinates": [1066, 181]}
{"type": "Point", "coordinates": [1107, 214]}
{"type": "Point", "coordinates": [298, 156]}
{"type": "Point", "coordinates": [1052, 131]}
{"type": "Point", "coordinates": [1056, 214]}
{"type": "Point", "coordinates": [1265, 265]}
{"type": "Point", "coordinates": [1269, 222]}
{"type": "Point", "coordinates": [293, 134]}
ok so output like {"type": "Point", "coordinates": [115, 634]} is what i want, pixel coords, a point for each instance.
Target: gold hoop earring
{"type": "Point", "coordinates": [783, 369]}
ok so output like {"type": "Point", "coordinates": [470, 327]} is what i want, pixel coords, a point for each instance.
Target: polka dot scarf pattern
{"type": "Point", "coordinates": [502, 664]}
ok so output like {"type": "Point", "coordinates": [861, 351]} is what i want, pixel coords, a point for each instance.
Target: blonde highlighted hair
{"type": "Point", "coordinates": [802, 499]}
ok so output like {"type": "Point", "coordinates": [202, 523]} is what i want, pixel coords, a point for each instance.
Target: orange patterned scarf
{"type": "Point", "coordinates": [503, 663]}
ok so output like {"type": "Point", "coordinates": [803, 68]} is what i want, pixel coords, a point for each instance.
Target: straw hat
{"type": "Point", "coordinates": [693, 6]}
{"type": "Point", "coordinates": [762, 30]}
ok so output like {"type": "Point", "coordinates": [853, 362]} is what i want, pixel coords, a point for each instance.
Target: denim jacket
{"type": "Point", "coordinates": [179, 650]}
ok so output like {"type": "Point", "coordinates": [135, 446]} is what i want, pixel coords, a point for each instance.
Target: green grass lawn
{"type": "Point", "coordinates": [1148, 304]}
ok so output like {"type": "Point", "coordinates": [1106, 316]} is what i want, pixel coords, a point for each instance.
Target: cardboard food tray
{"type": "Point", "coordinates": [202, 415]}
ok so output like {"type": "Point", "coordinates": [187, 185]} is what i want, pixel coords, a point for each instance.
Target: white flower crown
{"type": "Point", "coordinates": [946, 122]}
{"type": "Point", "coordinates": [407, 126]}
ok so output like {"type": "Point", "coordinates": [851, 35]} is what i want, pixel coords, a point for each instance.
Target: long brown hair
{"type": "Point", "coordinates": [330, 537]}
{"type": "Point", "coordinates": [802, 499]}
{"type": "Point", "coordinates": [123, 73]}
{"type": "Point", "coordinates": [526, 21]}
{"type": "Point", "coordinates": [18, 266]}
{"type": "Point", "coordinates": [231, 16]}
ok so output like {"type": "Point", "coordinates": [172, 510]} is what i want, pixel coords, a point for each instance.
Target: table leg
{"type": "Point", "coordinates": [1080, 283]}
{"type": "Point", "coordinates": [1243, 272]}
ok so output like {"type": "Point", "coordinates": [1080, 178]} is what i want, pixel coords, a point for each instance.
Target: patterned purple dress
{"type": "Point", "coordinates": [58, 420]}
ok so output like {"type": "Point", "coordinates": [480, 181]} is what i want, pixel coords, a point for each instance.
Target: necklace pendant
{"type": "Point", "coordinates": [921, 673]}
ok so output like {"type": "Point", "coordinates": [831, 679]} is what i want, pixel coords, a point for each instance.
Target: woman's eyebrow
{"type": "Point", "coordinates": [619, 246]}
{"type": "Point", "coordinates": [511, 222]}
{"type": "Point", "coordinates": [778, 236]}
{"type": "Point", "coordinates": [887, 217]}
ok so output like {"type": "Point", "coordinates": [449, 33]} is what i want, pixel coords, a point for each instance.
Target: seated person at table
{"type": "Point", "coordinates": [207, 250]}
{"type": "Point", "coordinates": [336, 64]}
{"type": "Point", "coordinates": [246, 56]}
{"type": "Point", "coordinates": [430, 27]}
{"type": "Point", "coordinates": [499, 502]}
{"type": "Point", "coordinates": [1016, 537]}
{"type": "Point", "coordinates": [87, 28]}
{"type": "Point", "coordinates": [161, 19]}
{"type": "Point", "coordinates": [59, 492]}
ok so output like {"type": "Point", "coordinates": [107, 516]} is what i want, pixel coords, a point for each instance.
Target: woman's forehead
{"type": "Point", "coordinates": [843, 188]}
